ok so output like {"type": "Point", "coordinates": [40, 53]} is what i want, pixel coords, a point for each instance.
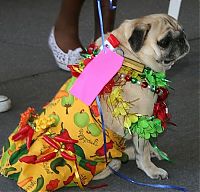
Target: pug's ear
{"type": "Point", "coordinates": [138, 36]}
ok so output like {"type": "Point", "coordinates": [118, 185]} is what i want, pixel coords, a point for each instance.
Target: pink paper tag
{"type": "Point", "coordinates": [96, 75]}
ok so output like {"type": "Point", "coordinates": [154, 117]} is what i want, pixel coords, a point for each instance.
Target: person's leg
{"type": "Point", "coordinates": [108, 17]}
{"type": "Point", "coordinates": [66, 26]}
{"type": "Point", "coordinates": [64, 38]}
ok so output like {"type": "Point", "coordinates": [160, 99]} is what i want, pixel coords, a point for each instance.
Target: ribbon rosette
{"type": "Point", "coordinates": [25, 131]}
{"type": "Point", "coordinates": [155, 79]}
{"type": "Point", "coordinates": [147, 127]}
{"type": "Point", "coordinates": [90, 52]}
{"type": "Point", "coordinates": [30, 123]}
{"type": "Point", "coordinates": [160, 108]}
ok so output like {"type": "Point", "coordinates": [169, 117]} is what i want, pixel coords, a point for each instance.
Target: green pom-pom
{"type": "Point", "coordinates": [147, 127]}
{"type": "Point", "coordinates": [143, 123]}
{"type": "Point", "coordinates": [147, 135]}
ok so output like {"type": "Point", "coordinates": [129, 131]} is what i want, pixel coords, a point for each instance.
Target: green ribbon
{"type": "Point", "coordinates": [161, 153]}
{"type": "Point", "coordinates": [155, 79]}
{"type": "Point", "coordinates": [147, 127]}
{"type": "Point", "coordinates": [85, 55]}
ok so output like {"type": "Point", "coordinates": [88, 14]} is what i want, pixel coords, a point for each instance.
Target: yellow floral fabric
{"type": "Point", "coordinates": [64, 113]}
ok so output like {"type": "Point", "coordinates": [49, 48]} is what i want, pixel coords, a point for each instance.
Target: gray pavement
{"type": "Point", "coordinates": [29, 76]}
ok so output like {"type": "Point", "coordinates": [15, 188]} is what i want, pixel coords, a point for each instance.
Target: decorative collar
{"type": "Point", "coordinates": [131, 70]}
{"type": "Point", "coordinates": [133, 64]}
{"type": "Point", "coordinates": [137, 73]}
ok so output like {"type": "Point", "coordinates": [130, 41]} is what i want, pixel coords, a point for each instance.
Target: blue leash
{"type": "Point", "coordinates": [101, 22]}
{"type": "Point", "coordinates": [122, 176]}
{"type": "Point", "coordinates": [147, 184]}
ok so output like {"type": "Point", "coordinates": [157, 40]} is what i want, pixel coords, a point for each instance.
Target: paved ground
{"type": "Point", "coordinates": [29, 76]}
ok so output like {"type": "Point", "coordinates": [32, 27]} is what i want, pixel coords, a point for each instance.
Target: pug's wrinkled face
{"type": "Point", "coordinates": [157, 41]}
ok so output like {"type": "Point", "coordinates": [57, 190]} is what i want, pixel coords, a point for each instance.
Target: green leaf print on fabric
{"type": "Point", "coordinates": [79, 151]}
{"type": "Point", "coordinates": [17, 154]}
{"type": "Point", "coordinates": [10, 169]}
{"type": "Point", "coordinates": [40, 184]}
{"type": "Point", "coordinates": [14, 176]}
{"type": "Point", "coordinates": [57, 163]}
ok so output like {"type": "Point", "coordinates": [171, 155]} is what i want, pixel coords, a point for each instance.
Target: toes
{"type": "Point", "coordinates": [160, 174]}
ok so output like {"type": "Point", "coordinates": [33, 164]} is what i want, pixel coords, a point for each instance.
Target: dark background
{"type": "Point", "coordinates": [30, 77]}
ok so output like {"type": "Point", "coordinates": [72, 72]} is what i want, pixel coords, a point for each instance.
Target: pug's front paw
{"type": "Point", "coordinates": [157, 173]}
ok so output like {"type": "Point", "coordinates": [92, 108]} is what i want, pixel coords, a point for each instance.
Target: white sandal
{"type": "Point", "coordinates": [5, 103]}
{"type": "Point", "coordinates": [62, 58]}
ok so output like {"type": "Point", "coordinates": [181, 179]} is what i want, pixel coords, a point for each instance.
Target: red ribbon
{"type": "Point", "coordinates": [108, 87]}
{"type": "Point", "coordinates": [91, 48]}
{"type": "Point", "coordinates": [160, 108]}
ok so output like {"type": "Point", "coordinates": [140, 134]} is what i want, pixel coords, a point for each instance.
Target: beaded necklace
{"type": "Point", "coordinates": [143, 76]}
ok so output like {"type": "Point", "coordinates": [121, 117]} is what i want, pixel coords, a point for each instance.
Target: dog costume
{"type": "Point", "coordinates": [64, 146]}
{"type": "Point", "coordinates": [50, 162]}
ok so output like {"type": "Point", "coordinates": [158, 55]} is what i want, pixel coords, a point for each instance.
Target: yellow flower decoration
{"type": "Point", "coordinates": [43, 122]}
{"type": "Point", "coordinates": [121, 108]}
{"type": "Point", "coordinates": [118, 105]}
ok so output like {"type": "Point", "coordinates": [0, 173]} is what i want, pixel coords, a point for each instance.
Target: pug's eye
{"type": "Point", "coordinates": [164, 43]}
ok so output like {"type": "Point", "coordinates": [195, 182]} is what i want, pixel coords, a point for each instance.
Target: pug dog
{"type": "Point", "coordinates": [157, 41]}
